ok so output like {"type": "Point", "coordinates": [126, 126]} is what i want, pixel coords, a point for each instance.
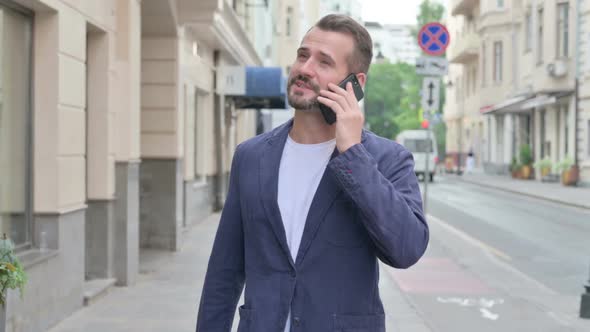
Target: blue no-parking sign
{"type": "Point", "coordinates": [434, 38]}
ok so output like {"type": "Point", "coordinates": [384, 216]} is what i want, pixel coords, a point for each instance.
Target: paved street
{"type": "Point", "coordinates": [497, 261]}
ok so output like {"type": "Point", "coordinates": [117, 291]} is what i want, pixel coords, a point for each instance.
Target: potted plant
{"type": "Point", "coordinates": [569, 172]}
{"type": "Point", "coordinates": [526, 159]}
{"type": "Point", "coordinates": [12, 274]}
{"type": "Point", "coordinates": [515, 168]}
{"type": "Point", "coordinates": [544, 166]}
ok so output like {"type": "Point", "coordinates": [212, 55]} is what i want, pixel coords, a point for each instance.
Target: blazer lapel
{"type": "Point", "coordinates": [269, 184]}
{"type": "Point", "coordinates": [327, 191]}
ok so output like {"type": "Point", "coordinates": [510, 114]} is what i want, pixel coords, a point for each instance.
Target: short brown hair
{"type": "Point", "coordinates": [363, 44]}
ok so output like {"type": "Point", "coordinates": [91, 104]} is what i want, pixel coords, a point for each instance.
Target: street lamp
{"type": "Point", "coordinates": [585, 301]}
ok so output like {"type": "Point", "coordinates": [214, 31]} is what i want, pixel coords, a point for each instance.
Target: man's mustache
{"type": "Point", "coordinates": [305, 80]}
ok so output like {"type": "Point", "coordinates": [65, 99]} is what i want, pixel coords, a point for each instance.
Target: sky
{"type": "Point", "coordinates": [391, 11]}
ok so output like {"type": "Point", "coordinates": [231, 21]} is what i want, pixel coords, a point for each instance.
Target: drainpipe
{"type": "Point", "coordinates": [577, 83]}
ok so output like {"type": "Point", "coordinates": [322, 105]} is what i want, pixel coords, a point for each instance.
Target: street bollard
{"type": "Point", "coordinates": [585, 302]}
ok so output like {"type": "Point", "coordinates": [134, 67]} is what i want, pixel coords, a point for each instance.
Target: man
{"type": "Point", "coordinates": [311, 207]}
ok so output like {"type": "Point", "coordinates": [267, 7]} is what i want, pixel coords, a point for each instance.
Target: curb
{"type": "Point", "coordinates": [585, 207]}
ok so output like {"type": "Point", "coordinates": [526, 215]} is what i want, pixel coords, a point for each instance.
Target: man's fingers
{"type": "Point", "coordinates": [350, 96]}
{"type": "Point", "coordinates": [331, 104]}
{"type": "Point", "coordinates": [347, 93]}
{"type": "Point", "coordinates": [340, 99]}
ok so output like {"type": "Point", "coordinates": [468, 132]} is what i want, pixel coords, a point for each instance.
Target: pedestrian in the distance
{"type": "Point", "coordinates": [312, 207]}
{"type": "Point", "coordinates": [470, 162]}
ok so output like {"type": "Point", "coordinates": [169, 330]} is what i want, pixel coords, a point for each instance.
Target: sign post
{"type": "Point", "coordinates": [433, 39]}
{"type": "Point", "coordinates": [432, 66]}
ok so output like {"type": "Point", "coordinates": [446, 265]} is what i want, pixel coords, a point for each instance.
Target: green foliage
{"type": "Point", "coordinates": [564, 164]}
{"type": "Point", "coordinates": [543, 163]}
{"type": "Point", "coordinates": [12, 274]}
{"type": "Point", "coordinates": [440, 132]}
{"type": "Point", "coordinates": [526, 156]}
{"type": "Point", "coordinates": [430, 11]}
{"type": "Point", "coordinates": [392, 98]}
{"type": "Point", "coordinates": [392, 101]}
{"type": "Point", "coordinates": [514, 165]}
{"type": "Point", "coordinates": [392, 91]}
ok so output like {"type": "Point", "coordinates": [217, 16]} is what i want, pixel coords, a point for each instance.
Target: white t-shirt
{"type": "Point", "coordinates": [301, 169]}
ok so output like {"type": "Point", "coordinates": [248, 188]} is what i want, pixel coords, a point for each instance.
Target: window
{"type": "Point", "coordinates": [562, 29]}
{"type": "Point", "coordinates": [566, 127]}
{"type": "Point", "coordinates": [483, 64]}
{"type": "Point", "coordinates": [15, 130]}
{"type": "Point", "coordinates": [289, 23]}
{"type": "Point", "coordinates": [543, 126]}
{"type": "Point", "coordinates": [473, 84]}
{"type": "Point", "coordinates": [500, 3]}
{"type": "Point", "coordinates": [498, 61]}
{"type": "Point", "coordinates": [500, 138]}
{"type": "Point", "coordinates": [418, 145]}
{"type": "Point", "coordinates": [528, 38]}
{"type": "Point", "coordinates": [540, 36]}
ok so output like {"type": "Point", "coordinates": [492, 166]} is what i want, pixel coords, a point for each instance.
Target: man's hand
{"type": "Point", "coordinates": [349, 118]}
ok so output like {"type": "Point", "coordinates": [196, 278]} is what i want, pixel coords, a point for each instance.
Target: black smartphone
{"type": "Point", "coordinates": [327, 112]}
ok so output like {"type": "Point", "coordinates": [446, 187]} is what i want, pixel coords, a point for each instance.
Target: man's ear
{"type": "Point", "coordinates": [362, 78]}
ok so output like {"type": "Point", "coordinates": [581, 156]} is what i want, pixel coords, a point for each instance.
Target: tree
{"type": "Point", "coordinates": [430, 11]}
{"type": "Point", "coordinates": [392, 92]}
{"type": "Point", "coordinates": [392, 98]}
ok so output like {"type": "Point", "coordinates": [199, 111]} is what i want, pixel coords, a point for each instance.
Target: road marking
{"type": "Point", "coordinates": [485, 313]}
{"type": "Point", "coordinates": [483, 303]}
{"type": "Point", "coordinates": [469, 238]}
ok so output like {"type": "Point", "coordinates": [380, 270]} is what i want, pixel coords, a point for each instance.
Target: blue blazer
{"type": "Point", "coordinates": [367, 207]}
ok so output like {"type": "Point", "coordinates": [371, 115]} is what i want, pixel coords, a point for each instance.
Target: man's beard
{"type": "Point", "coordinates": [299, 102]}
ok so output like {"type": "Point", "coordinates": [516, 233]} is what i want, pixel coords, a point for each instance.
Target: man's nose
{"type": "Point", "coordinates": [308, 68]}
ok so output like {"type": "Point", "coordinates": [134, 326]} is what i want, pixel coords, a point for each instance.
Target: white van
{"type": "Point", "coordinates": [416, 141]}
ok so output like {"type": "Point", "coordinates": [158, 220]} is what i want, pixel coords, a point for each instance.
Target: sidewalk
{"type": "Point", "coordinates": [553, 192]}
{"type": "Point", "coordinates": [166, 296]}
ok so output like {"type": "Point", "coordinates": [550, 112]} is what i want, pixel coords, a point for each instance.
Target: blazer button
{"type": "Point", "coordinates": [296, 321]}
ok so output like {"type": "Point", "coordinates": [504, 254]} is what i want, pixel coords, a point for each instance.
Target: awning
{"type": "Point", "coordinates": [254, 87]}
{"type": "Point", "coordinates": [525, 103]}
{"type": "Point", "coordinates": [506, 106]}
{"type": "Point", "coordinates": [545, 99]}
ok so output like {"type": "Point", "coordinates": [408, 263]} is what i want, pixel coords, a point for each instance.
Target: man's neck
{"type": "Point", "coordinates": [310, 128]}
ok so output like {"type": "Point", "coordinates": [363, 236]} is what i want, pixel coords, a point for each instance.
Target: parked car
{"type": "Point", "coordinates": [417, 142]}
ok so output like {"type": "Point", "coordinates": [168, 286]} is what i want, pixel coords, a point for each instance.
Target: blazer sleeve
{"type": "Point", "coordinates": [389, 201]}
{"type": "Point", "coordinates": [225, 276]}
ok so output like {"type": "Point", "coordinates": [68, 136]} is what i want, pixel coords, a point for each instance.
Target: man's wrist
{"type": "Point", "coordinates": [342, 148]}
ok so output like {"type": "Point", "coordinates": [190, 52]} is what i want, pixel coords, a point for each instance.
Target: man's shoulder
{"type": "Point", "coordinates": [254, 144]}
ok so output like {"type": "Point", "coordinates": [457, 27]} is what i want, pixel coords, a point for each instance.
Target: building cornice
{"type": "Point", "coordinates": [216, 23]}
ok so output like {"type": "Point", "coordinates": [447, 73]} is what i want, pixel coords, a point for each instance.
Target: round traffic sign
{"type": "Point", "coordinates": [434, 38]}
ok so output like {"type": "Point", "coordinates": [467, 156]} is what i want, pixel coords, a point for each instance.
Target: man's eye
{"type": "Point", "coordinates": [325, 62]}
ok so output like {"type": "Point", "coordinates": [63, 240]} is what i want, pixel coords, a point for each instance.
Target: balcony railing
{"type": "Point", "coordinates": [464, 48]}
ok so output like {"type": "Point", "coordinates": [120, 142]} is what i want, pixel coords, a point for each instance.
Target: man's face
{"type": "Point", "coordinates": [321, 59]}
